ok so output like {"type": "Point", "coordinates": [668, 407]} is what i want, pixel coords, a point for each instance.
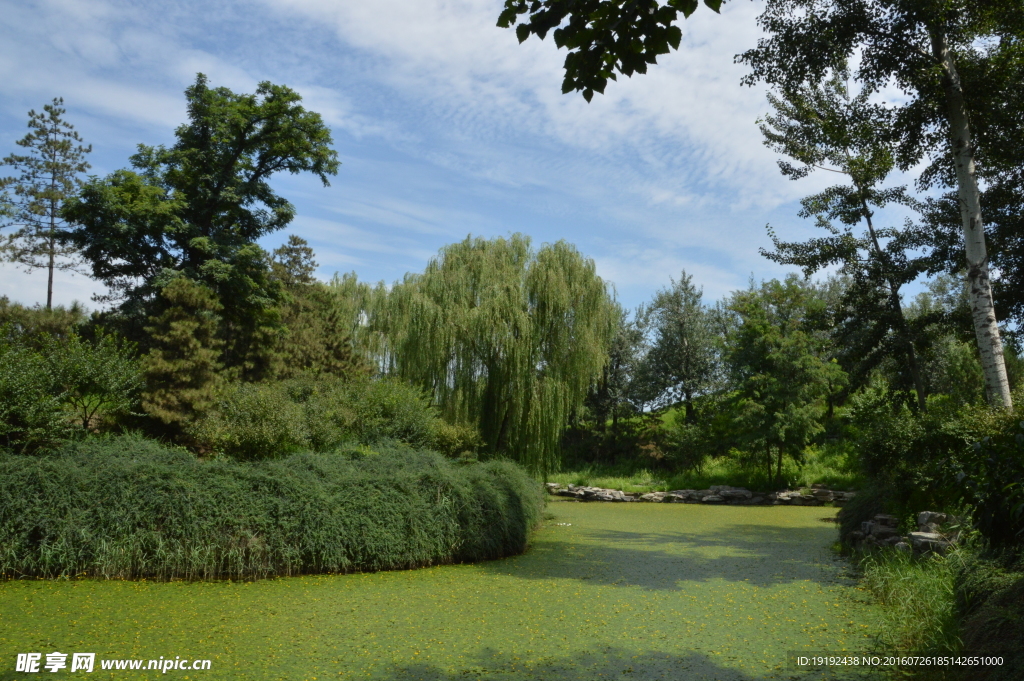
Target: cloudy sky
{"type": "Point", "coordinates": [444, 124]}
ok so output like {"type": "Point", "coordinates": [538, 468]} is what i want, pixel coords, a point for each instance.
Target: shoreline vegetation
{"type": "Point", "coordinates": [129, 508]}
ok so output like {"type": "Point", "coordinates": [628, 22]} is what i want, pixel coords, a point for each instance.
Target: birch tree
{"type": "Point", "coordinates": [503, 336]}
{"type": "Point", "coordinates": [47, 175]}
{"type": "Point", "coordinates": [915, 44]}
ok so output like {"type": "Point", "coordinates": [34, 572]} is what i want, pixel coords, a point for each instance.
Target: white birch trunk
{"type": "Point", "coordinates": [979, 287]}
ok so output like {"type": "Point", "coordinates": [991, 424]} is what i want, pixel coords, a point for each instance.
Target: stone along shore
{"type": "Point", "coordinates": [817, 495]}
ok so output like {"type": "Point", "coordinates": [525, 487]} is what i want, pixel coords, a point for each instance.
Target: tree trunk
{"type": "Point", "coordinates": [690, 414]}
{"type": "Point", "coordinates": [49, 278]}
{"type": "Point", "coordinates": [979, 287]}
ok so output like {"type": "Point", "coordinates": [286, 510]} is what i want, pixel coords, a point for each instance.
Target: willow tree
{"type": "Point", "coordinates": [503, 336]}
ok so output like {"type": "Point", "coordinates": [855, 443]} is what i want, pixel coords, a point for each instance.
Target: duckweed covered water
{"type": "Point", "coordinates": [607, 591]}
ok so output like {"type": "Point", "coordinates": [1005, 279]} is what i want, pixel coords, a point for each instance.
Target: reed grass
{"type": "Point", "coordinates": [131, 508]}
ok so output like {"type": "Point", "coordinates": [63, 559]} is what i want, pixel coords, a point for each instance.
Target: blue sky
{"type": "Point", "coordinates": [445, 126]}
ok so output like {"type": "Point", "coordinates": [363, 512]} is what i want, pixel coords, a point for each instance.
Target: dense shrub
{"type": "Point", "coordinates": [990, 477]}
{"type": "Point", "coordinates": [128, 508]}
{"type": "Point", "coordinates": [321, 413]}
{"type": "Point", "coordinates": [52, 388]}
{"type": "Point", "coordinates": [32, 416]}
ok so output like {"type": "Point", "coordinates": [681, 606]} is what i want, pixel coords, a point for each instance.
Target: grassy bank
{"type": "Point", "coordinates": [958, 604]}
{"type": "Point", "coordinates": [819, 466]}
{"type": "Point", "coordinates": [131, 508]}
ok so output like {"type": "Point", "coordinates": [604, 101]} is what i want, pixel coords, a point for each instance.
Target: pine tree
{"type": "Point", "coordinates": [182, 368]}
{"type": "Point", "coordinates": [48, 175]}
{"type": "Point", "coordinates": [316, 337]}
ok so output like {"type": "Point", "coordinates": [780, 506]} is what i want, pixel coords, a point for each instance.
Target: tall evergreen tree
{"type": "Point", "coordinates": [316, 336]}
{"type": "Point", "coordinates": [505, 337]}
{"type": "Point", "coordinates": [47, 176]}
{"type": "Point", "coordinates": [682, 361]}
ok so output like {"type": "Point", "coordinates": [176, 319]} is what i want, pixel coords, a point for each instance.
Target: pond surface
{"type": "Point", "coordinates": [607, 591]}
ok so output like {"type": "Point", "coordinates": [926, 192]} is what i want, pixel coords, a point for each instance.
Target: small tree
{"type": "Point", "coordinates": [47, 176]}
{"type": "Point", "coordinates": [99, 380]}
{"type": "Point", "coordinates": [779, 370]}
{"type": "Point", "coordinates": [183, 367]}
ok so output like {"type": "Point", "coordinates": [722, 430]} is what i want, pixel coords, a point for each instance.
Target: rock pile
{"type": "Point", "coordinates": [883, 530]}
{"type": "Point", "coordinates": [716, 494]}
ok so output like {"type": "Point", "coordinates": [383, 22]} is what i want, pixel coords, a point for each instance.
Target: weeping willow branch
{"type": "Point", "coordinates": [502, 336]}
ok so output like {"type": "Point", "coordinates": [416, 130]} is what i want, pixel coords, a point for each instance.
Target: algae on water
{"type": "Point", "coordinates": [607, 591]}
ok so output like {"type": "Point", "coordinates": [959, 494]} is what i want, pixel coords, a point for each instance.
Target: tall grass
{"type": "Point", "coordinates": [919, 597]}
{"type": "Point", "coordinates": [131, 508]}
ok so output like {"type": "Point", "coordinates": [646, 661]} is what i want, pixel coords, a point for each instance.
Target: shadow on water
{"type": "Point", "coordinates": [759, 555]}
{"type": "Point", "coordinates": [490, 665]}
{"type": "Point", "coordinates": [610, 663]}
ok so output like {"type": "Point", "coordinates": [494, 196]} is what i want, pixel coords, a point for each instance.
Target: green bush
{"type": "Point", "coordinates": [321, 413]}
{"type": "Point", "coordinates": [129, 508]}
{"type": "Point", "coordinates": [254, 421]}
{"type": "Point", "coordinates": [52, 388]}
{"type": "Point", "coordinates": [990, 477]}
{"type": "Point", "coordinates": [32, 415]}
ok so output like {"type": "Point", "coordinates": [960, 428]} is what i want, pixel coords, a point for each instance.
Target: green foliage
{"type": "Point", "coordinates": [199, 207]}
{"type": "Point", "coordinates": [34, 326]}
{"type": "Point", "coordinates": [53, 388]}
{"type": "Point", "coordinates": [321, 413]}
{"type": "Point", "coordinates": [48, 177]}
{"type": "Point", "coordinates": [826, 127]}
{"type": "Point", "coordinates": [182, 368]}
{"type": "Point", "coordinates": [503, 337]}
{"type": "Point", "coordinates": [779, 369]}
{"type": "Point", "coordinates": [130, 508]}
{"type": "Point", "coordinates": [99, 380]}
{"type": "Point", "coordinates": [991, 479]}
{"type": "Point", "coordinates": [682, 361]}
{"type": "Point", "coordinates": [920, 615]}
{"type": "Point", "coordinates": [32, 415]}
{"type": "Point", "coordinates": [317, 337]}
{"type": "Point", "coordinates": [254, 421]}
{"type": "Point", "coordinates": [603, 37]}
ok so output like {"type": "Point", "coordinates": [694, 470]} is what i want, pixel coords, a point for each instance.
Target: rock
{"type": "Point", "coordinates": [657, 497]}
{"type": "Point", "coordinates": [712, 499]}
{"type": "Point", "coordinates": [552, 487]}
{"type": "Point", "coordinates": [924, 542]}
{"type": "Point", "coordinates": [930, 518]}
{"type": "Point", "coordinates": [731, 493]}
{"type": "Point", "coordinates": [882, 532]}
{"type": "Point", "coordinates": [889, 520]}
{"type": "Point", "coordinates": [902, 547]}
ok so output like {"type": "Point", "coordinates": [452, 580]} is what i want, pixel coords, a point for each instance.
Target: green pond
{"type": "Point", "coordinates": [606, 591]}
